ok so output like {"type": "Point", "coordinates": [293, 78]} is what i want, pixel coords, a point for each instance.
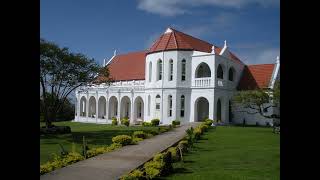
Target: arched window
{"type": "Point", "coordinates": [203, 70]}
{"type": "Point", "coordinates": [170, 70]}
{"type": "Point", "coordinates": [150, 72]}
{"type": "Point", "coordinates": [149, 104]}
{"type": "Point", "coordinates": [182, 106]}
{"type": "Point", "coordinates": [170, 106]}
{"type": "Point", "coordinates": [159, 69]}
{"type": "Point", "coordinates": [231, 74]}
{"type": "Point", "coordinates": [158, 102]}
{"type": "Point", "coordinates": [183, 70]}
{"type": "Point", "coordinates": [220, 72]}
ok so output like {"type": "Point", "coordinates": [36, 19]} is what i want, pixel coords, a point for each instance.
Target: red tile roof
{"type": "Point", "coordinates": [128, 66]}
{"type": "Point", "coordinates": [176, 40]}
{"type": "Point", "coordinates": [256, 76]}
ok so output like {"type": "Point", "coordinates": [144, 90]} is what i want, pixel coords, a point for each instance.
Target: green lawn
{"type": "Point", "coordinates": [96, 135]}
{"type": "Point", "coordinates": [233, 153]}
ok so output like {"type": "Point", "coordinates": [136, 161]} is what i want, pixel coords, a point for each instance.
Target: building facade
{"type": "Point", "coordinates": [178, 78]}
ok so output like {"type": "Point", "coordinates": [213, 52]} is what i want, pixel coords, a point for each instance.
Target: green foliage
{"type": "Point", "coordinates": [125, 121]}
{"type": "Point", "coordinates": [146, 124]}
{"type": "Point", "coordinates": [135, 140]}
{"type": "Point", "coordinates": [134, 175]}
{"type": "Point", "coordinates": [160, 165]}
{"type": "Point", "coordinates": [122, 139]}
{"type": "Point", "coordinates": [60, 161]}
{"type": "Point", "coordinates": [175, 154]}
{"type": "Point", "coordinates": [190, 136]}
{"type": "Point", "coordinates": [139, 134]}
{"type": "Point", "coordinates": [197, 133]}
{"type": "Point", "coordinates": [100, 150]}
{"type": "Point", "coordinates": [148, 135]}
{"type": "Point", "coordinates": [155, 122]}
{"type": "Point", "coordinates": [114, 121]}
{"type": "Point", "coordinates": [175, 122]}
{"type": "Point", "coordinates": [183, 145]}
{"type": "Point", "coordinates": [151, 172]}
{"type": "Point", "coordinates": [208, 122]}
{"type": "Point", "coordinates": [62, 71]}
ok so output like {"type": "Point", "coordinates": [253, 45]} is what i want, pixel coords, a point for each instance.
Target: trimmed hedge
{"type": "Point", "coordinates": [122, 139]}
{"type": "Point", "coordinates": [125, 121]}
{"type": "Point", "coordinates": [183, 145]}
{"type": "Point", "coordinates": [139, 134]}
{"type": "Point", "coordinates": [59, 162]}
{"type": "Point", "coordinates": [175, 154]}
{"type": "Point", "coordinates": [136, 140]}
{"type": "Point", "coordinates": [100, 150]}
{"type": "Point", "coordinates": [175, 123]}
{"type": "Point", "coordinates": [114, 121]}
{"type": "Point", "coordinates": [208, 122]}
{"type": "Point", "coordinates": [146, 124]}
{"type": "Point", "coordinates": [155, 122]}
{"type": "Point", "coordinates": [134, 175]}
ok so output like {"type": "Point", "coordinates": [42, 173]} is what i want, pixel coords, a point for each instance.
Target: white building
{"type": "Point", "coordinates": [178, 78]}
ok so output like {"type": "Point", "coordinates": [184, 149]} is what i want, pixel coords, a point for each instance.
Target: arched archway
{"type": "Point", "coordinates": [102, 103]}
{"type": "Point", "coordinates": [220, 72]}
{"type": "Point", "coordinates": [83, 106]}
{"type": "Point", "coordinates": [201, 109]}
{"type": "Point", "coordinates": [231, 74]}
{"type": "Point", "coordinates": [125, 107]}
{"type": "Point", "coordinates": [203, 70]}
{"type": "Point", "coordinates": [138, 109]}
{"type": "Point", "coordinates": [92, 107]}
{"type": "Point", "coordinates": [219, 110]}
{"type": "Point", "coordinates": [113, 107]}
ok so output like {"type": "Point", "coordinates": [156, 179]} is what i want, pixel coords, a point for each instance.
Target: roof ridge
{"type": "Point", "coordinates": [168, 41]}
{"type": "Point", "coordinates": [175, 40]}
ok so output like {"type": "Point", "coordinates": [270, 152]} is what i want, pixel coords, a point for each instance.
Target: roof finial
{"type": "Point", "coordinates": [225, 43]}
{"type": "Point", "coordinates": [212, 52]}
{"type": "Point", "coordinates": [115, 52]}
{"type": "Point", "coordinates": [104, 62]}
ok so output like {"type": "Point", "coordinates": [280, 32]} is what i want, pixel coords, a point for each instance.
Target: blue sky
{"type": "Point", "coordinates": [98, 27]}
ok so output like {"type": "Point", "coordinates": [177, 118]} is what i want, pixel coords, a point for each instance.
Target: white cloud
{"type": "Point", "coordinates": [259, 56]}
{"type": "Point", "coordinates": [178, 7]}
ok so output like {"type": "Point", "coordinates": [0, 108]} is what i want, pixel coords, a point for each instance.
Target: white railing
{"type": "Point", "coordinates": [202, 82]}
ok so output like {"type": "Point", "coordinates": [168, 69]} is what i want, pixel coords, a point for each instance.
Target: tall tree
{"type": "Point", "coordinates": [259, 101]}
{"type": "Point", "coordinates": [61, 72]}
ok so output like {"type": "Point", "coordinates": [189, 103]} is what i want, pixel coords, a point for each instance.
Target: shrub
{"type": "Point", "coordinates": [154, 132]}
{"type": "Point", "coordinates": [208, 122]}
{"type": "Point", "coordinates": [160, 165]}
{"type": "Point", "coordinates": [163, 129]}
{"type": "Point", "coordinates": [135, 140]}
{"type": "Point", "coordinates": [60, 161]}
{"type": "Point", "coordinates": [147, 124]}
{"type": "Point", "coordinates": [125, 121]}
{"type": "Point", "coordinates": [114, 121]}
{"type": "Point", "coordinates": [175, 122]}
{"type": "Point", "coordinates": [149, 135]}
{"type": "Point", "coordinates": [197, 133]}
{"type": "Point", "coordinates": [122, 139]}
{"type": "Point", "coordinates": [114, 146]}
{"type": "Point", "coordinates": [151, 172]}
{"type": "Point", "coordinates": [155, 122]}
{"type": "Point", "coordinates": [183, 146]}
{"type": "Point", "coordinates": [203, 127]}
{"type": "Point", "coordinates": [139, 134]}
{"type": "Point", "coordinates": [96, 151]}
{"type": "Point", "coordinates": [134, 175]}
{"type": "Point", "coordinates": [175, 154]}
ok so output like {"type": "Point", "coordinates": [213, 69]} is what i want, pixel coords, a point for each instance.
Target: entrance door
{"type": "Point", "coordinates": [202, 109]}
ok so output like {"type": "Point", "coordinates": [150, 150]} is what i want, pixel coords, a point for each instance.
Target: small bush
{"type": "Point", "coordinates": [183, 146]}
{"type": "Point", "coordinates": [155, 122]}
{"type": "Point", "coordinates": [175, 123]}
{"type": "Point", "coordinates": [175, 154]}
{"type": "Point", "coordinates": [114, 121]}
{"type": "Point", "coordinates": [197, 133]}
{"type": "Point", "coordinates": [208, 122]}
{"type": "Point", "coordinates": [146, 124]}
{"type": "Point", "coordinates": [148, 135]}
{"type": "Point", "coordinates": [163, 129]}
{"type": "Point", "coordinates": [96, 151]}
{"type": "Point", "coordinates": [135, 140]}
{"type": "Point", "coordinates": [125, 121]}
{"type": "Point", "coordinates": [154, 132]}
{"type": "Point", "coordinates": [139, 134]}
{"type": "Point", "coordinates": [134, 175]}
{"type": "Point", "coordinates": [122, 139]}
{"type": "Point", "coordinates": [152, 173]}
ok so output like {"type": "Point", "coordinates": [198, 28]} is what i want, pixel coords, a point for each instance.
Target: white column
{"type": "Point", "coordinates": [97, 108]}
{"type": "Point", "coordinates": [78, 109]}
{"type": "Point", "coordinates": [87, 107]}
{"type": "Point", "coordinates": [119, 104]}
{"type": "Point", "coordinates": [107, 107]}
{"type": "Point", "coordinates": [132, 118]}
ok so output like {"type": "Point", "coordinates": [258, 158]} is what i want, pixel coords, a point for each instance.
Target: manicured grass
{"type": "Point", "coordinates": [96, 135]}
{"type": "Point", "coordinates": [232, 153]}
